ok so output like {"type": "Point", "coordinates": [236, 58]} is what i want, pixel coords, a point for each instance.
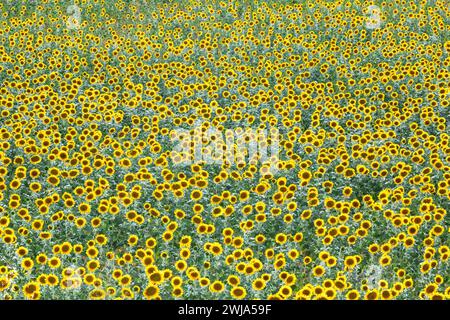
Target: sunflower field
{"type": "Point", "coordinates": [99, 201]}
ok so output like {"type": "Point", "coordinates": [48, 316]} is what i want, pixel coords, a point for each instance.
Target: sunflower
{"type": "Point", "coordinates": [151, 292]}
{"type": "Point", "coordinates": [238, 292]}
